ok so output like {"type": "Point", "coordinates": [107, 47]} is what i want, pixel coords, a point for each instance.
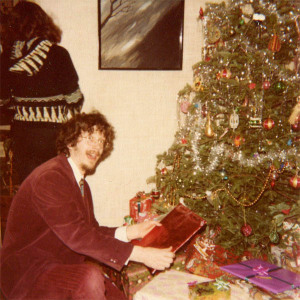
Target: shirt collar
{"type": "Point", "coordinates": [77, 174]}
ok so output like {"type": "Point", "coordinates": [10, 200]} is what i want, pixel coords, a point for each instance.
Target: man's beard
{"type": "Point", "coordinates": [90, 169]}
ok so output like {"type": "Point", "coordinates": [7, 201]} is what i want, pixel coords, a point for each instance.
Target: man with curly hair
{"type": "Point", "coordinates": [52, 231]}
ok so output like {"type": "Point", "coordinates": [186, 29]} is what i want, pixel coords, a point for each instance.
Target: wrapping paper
{"type": "Point", "coordinates": [177, 227]}
{"type": "Point", "coordinates": [213, 290]}
{"type": "Point", "coordinates": [241, 289]}
{"type": "Point", "coordinates": [205, 258]}
{"type": "Point", "coordinates": [168, 285]}
{"type": "Point", "coordinates": [265, 275]}
{"type": "Point", "coordinates": [139, 204]}
{"type": "Point", "coordinates": [134, 277]}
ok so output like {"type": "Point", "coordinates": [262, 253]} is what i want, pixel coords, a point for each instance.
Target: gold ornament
{"type": "Point", "coordinates": [198, 85]}
{"type": "Point", "coordinates": [208, 127]}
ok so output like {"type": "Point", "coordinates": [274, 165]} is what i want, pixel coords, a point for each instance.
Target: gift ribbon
{"type": "Point", "coordinates": [221, 285]}
{"type": "Point", "coordinates": [268, 273]}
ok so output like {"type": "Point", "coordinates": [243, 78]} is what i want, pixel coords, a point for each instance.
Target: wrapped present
{"type": "Point", "coordinates": [265, 275]}
{"type": "Point", "coordinates": [168, 285]}
{"type": "Point", "coordinates": [242, 289]}
{"type": "Point", "coordinates": [205, 258]}
{"type": "Point", "coordinates": [212, 290]}
{"type": "Point", "coordinates": [141, 203]}
{"type": "Point", "coordinates": [147, 216]}
{"type": "Point", "coordinates": [134, 277]}
{"type": "Point", "coordinates": [128, 220]}
{"type": "Point", "coordinates": [287, 258]}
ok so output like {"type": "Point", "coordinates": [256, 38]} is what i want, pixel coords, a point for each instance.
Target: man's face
{"type": "Point", "coordinates": [88, 150]}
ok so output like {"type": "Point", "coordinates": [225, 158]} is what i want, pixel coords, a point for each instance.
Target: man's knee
{"type": "Point", "coordinates": [92, 285]}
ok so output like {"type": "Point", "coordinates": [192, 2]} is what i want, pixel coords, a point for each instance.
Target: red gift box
{"type": "Point", "coordinates": [204, 258]}
{"type": "Point", "coordinates": [139, 204]}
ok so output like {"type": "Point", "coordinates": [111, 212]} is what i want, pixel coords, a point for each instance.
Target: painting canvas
{"type": "Point", "coordinates": [141, 34]}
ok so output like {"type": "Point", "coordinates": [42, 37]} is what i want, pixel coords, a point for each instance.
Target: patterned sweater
{"type": "Point", "coordinates": [41, 82]}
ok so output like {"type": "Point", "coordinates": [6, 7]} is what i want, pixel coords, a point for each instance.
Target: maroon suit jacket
{"type": "Point", "coordinates": [49, 222]}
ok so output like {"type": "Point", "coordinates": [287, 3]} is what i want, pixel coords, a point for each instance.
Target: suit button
{"type": "Point", "coordinates": [113, 260]}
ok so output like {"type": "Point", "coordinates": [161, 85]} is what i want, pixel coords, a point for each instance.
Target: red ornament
{"type": "Point", "coordinates": [272, 184]}
{"type": "Point", "coordinates": [296, 126]}
{"type": "Point", "coordinates": [295, 182]}
{"type": "Point", "coordinates": [207, 58]}
{"type": "Point", "coordinates": [246, 230]}
{"type": "Point", "coordinates": [266, 85]}
{"type": "Point", "coordinates": [224, 74]}
{"type": "Point", "coordinates": [183, 141]}
{"type": "Point", "coordinates": [238, 140]}
{"type": "Point", "coordinates": [252, 85]}
{"type": "Point", "coordinates": [204, 111]}
{"type": "Point", "coordinates": [269, 123]}
{"type": "Point", "coordinates": [201, 13]}
{"type": "Point", "coordinates": [286, 211]}
{"type": "Point", "coordinates": [164, 171]}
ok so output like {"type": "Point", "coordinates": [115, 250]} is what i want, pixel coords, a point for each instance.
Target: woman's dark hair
{"type": "Point", "coordinates": [72, 129]}
{"type": "Point", "coordinates": [29, 20]}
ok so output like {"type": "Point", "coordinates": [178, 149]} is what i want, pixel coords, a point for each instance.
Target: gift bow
{"type": "Point", "coordinates": [261, 271]}
{"type": "Point", "coordinates": [221, 285]}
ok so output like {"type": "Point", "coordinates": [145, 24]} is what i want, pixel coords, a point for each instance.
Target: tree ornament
{"type": "Point", "coordinates": [252, 86]}
{"type": "Point", "coordinates": [183, 141]}
{"type": "Point", "coordinates": [238, 141]}
{"type": "Point", "coordinates": [246, 230]}
{"type": "Point", "coordinates": [254, 122]}
{"type": "Point", "coordinates": [274, 237]}
{"type": "Point", "coordinates": [225, 73]}
{"type": "Point", "coordinates": [164, 171]}
{"type": "Point", "coordinates": [266, 85]}
{"type": "Point", "coordinates": [184, 106]}
{"type": "Point", "coordinates": [295, 127]}
{"type": "Point", "coordinates": [268, 123]}
{"type": "Point", "coordinates": [279, 87]}
{"type": "Point", "coordinates": [259, 17]}
{"type": "Point", "coordinates": [198, 85]}
{"type": "Point", "coordinates": [241, 22]}
{"type": "Point", "coordinates": [272, 183]}
{"type": "Point", "coordinates": [234, 120]}
{"type": "Point", "coordinates": [286, 211]}
{"type": "Point", "coordinates": [201, 14]}
{"type": "Point", "coordinates": [274, 44]}
{"type": "Point", "coordinates": [204, 111]}
{"type": "Point", "coordinates": [223, 173]}
{"type": "Point", "coordinates": [295, 182]}
{"type": "Point", "coordinates": [208, 127]}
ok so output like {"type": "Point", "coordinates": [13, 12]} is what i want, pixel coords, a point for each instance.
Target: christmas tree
{"type": "Point", "coordinates": [234, 160]}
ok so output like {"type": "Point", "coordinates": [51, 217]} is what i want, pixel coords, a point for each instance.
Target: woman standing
{"type": "Point", "coordinates": [42, 84]}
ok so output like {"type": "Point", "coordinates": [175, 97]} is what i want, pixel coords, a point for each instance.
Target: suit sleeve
{"type": "Point", "coordinates": [60, 204]}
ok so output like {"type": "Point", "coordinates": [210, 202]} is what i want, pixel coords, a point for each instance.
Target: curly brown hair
{"type": "Point", "coordinates": [72, 129]}
{"type": "Point", "coordinates": [29, 20]}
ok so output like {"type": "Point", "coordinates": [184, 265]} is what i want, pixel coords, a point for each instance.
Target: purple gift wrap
{"type": "Point", "coordinates": [264, 275]}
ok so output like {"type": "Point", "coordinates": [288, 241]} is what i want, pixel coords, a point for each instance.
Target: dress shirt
{"type": "Point", "coordinates": [120, 232]}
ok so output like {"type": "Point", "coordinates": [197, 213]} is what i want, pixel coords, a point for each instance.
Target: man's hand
{"type": "Point", "coordinates": [139, 230]}
{"type": "Point", "coordinates": [158, 259]}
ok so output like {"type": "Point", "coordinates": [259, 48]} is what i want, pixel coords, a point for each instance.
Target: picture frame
{"type": "Point", "coordinates": [140, 35]}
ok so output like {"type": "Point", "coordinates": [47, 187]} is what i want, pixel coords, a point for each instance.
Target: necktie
{"type": "Point", "coordinates": [81, 184]}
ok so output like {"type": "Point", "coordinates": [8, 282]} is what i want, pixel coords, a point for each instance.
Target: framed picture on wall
{"type": "Point", "coordinates": [140, 34]}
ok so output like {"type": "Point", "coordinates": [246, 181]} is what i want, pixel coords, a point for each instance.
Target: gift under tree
{"type": "Point", "coordinates": [234, 160]}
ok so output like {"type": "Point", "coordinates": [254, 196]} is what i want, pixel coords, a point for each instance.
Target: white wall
{"type": "Point", "coordinates": [141, 105]}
